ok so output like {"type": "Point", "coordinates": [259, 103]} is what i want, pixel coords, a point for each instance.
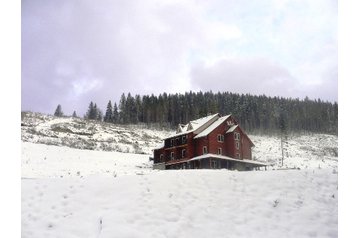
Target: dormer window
{"type": "Point", "coordinates": [190, 127]}
{"type": "Point", "coordinates": [230, 123]}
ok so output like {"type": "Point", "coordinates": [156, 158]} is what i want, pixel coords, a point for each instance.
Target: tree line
{"type": "Point", "coordinates": [260, 114]}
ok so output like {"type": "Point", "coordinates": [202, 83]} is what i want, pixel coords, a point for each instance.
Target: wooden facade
{"type": "Point", "coordinates": [212, 142]}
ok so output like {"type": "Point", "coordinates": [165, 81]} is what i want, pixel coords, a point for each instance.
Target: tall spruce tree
{"type": "Point", "coordinates": [109, 113]}
{"type": "Point", "coordinates": [74, 114]}
{"type": "Point", "coordinates": [98, 113]}
{"type": "Point", "coordinates": [115, 114]}
{"type": "Point", "coordinates": [123, 115]}
{"type": "Point", "coordinates": [58, 111]}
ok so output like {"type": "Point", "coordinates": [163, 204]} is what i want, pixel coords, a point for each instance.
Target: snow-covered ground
{"type": "Point", "coordinates": [302, 151]}
{"type": "Point", "coordinates": [90, 135]}
{"type": "Point", "coordinates": [69, 192]}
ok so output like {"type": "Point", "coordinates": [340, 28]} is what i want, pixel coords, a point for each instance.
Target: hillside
{"type": "Point", "coordinates": [88, 134]}
{"type": "Point", "coordinates": [92, 190]}
{"type": "Point", "coordinates": [302, 151]}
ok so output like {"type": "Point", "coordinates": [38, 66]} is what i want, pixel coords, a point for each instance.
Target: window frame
{"type": "Point", "coordinates": [238, 145]}
{"type": "Point", "coordinates": [220, 151]}
{"type": "Point", "coordinates": [183, 153]}
{"type": "Point", "coordinates": [205, 150]}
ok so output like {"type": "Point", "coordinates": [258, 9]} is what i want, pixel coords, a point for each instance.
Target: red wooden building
{"type": "Point", "coordinates": [211, 142]}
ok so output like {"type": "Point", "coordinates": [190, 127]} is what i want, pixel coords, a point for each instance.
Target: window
{"type": "Point", "coordinates": [171, 155]}
{"type": "Point", "coordinates": [221, 138]}
{"type": "Point", "coordinates": [161, 157]}
{"type": "Point", "coordinates": [219, 151]}
{"type": "Point", "coordinates": [237, 145]}
{"type": "Point", "coordinates": [184, 139]}
{"type": "Point", "coordinates": [205, 150]}
{"type": "Point", "coordinates": [183, 153]}
{"type": "Point", "coordinates": [172, 142]}
{"type": "Point", "coordinates": [237, 136]}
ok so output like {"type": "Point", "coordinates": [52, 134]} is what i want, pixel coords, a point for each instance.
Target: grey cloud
{"type": "Point", "coordinates": [255, 76]}
{"type": "Point", "coordinates": [77, 51]}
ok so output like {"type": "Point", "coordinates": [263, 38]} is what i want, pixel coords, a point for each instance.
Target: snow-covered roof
{"type": "Point", "coordinates": [212, 127]}
{"type": "Point", "coordinates": [227, 158]}
{"type": "Point", "coordinates": [231, 129]}
{"type": "Point", "coordinates": [194, 125]}
{"type": "Point", "coordinates": [201, 121]}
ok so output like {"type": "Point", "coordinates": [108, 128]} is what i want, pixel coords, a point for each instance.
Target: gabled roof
{"type": "Point", "coordinates": [194, 125]}
{"type": "Point", "coordinates": [212, 127]}
{"type": "Point", "coordinates": [201, 121]}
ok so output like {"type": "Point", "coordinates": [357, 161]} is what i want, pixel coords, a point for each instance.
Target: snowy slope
{"type": "Point", "coordinates": [302, 151]}
{"type": "Point", "coordinates": [91, 135]}
{"type": "Point", "coordinates": [119, 195]}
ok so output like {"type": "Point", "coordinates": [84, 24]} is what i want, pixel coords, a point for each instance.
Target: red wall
{"type": "Point", "coordinates": [194, 147]}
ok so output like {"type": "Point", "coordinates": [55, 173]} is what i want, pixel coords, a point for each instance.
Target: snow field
{"type": "Point", "coordinates": [48, 161]}
{"type": "Point", "coordinates": [191, 203]}
{"type": "Point", "coordinates": [141, 202]}
{"type": "Point", "coordinates": [301, 151]}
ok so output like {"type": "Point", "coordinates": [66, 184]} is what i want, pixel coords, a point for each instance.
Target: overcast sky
{"type": "Point", "coordinates": [74, 52]}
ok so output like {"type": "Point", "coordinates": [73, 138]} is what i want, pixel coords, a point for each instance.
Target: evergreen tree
{"type": "Point", "coordinates": [115, 114]}
{"type": "Point", "coordinates": [74, 114]}
{"type": "Point", "coordinates": [109, 113]}
{"type": "Point", "coordinates": [58, 111]}
{"type": "Point", "coordinates": [123, 114]}
{"type": "Point", "coordinates": [98, 113]}
{"type": "Point", "coordinates": [91, 112]}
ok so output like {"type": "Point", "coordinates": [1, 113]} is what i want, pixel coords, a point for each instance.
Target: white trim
{"type": "Point", "coordinates": [227, 158]}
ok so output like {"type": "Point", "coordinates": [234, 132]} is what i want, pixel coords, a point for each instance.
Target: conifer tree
{"type": "Point", "coordinates": [91, 113]}
{"type": "Point", "coordinates": [98, 113]}
{"type": "Point", "coordinates": [58, 111]}
{"type": "Point", "coordinates": [109, 113]}
{"type": "Point", "coordinates": [74, 114]}
{"type": "Point", "coordinates": [123, 112]}
{"type": "Point", "coordinates": [115, 114]}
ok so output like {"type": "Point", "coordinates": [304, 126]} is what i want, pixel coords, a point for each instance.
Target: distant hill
{"type": "Point", "coordinates": [301, 151]}
{"type": "Point", "coordinates": [90, 135]}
